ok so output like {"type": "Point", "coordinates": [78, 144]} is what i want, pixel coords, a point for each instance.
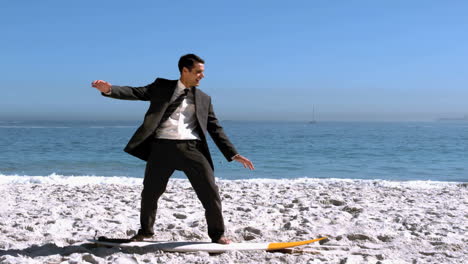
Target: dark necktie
{"type": "Point", "coordinates": [173, 106]}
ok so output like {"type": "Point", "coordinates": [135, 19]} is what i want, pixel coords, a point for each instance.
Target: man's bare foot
{"type": "Point", "coordinates": [224, 240]}
{"type": "Point", "coordinates": [140, 237]}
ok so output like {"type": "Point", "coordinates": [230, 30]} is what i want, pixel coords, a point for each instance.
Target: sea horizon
{"type": "Point", "coordinates": [443, 119]}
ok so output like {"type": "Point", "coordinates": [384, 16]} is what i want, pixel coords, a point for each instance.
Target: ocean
{"type": "Point", "coordinates": [394, 151]}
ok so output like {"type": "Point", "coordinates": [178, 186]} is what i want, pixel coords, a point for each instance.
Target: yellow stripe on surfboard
{"type": "Point", "coordinates": [275, 246]}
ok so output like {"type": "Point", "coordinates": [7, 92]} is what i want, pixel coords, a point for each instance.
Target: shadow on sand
{"type": "Point", "coordinates": [51, 249]}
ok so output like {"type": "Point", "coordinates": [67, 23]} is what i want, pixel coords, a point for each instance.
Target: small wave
{"type": "Point", "coordinates": [91, 179]}
{"type": "Point", "coordinates": [383, 183]}
{"type": "Point", "coordinates": [70, 180]}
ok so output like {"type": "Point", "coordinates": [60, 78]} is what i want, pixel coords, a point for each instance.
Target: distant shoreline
{"type": "Point", "coordinates": [465, 118]}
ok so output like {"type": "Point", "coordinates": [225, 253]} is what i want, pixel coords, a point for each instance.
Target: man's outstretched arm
{"type": "Point", "coordinates": [122, 92]}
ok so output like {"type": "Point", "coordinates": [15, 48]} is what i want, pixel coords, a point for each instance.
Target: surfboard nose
{"type": "Point", "coordinates": [282, 245]}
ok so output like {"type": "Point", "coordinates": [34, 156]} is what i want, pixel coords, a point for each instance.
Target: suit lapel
{"type": "Point", "coordinates": [197, 97]}
{"type": "Point", "coordinates": [162, 100]}
{"type": "Point", "coordinates": [201, 108]}
{"type": "Point", "coordinates": [198, 102]}
{"type": "Point", "coordinates": [171, 90]}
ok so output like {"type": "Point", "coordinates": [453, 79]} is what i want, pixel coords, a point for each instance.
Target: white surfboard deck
{"type": "Point", "coordinates": [206, 246]}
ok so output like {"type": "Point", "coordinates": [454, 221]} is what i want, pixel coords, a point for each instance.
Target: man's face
{"type": "Point", "coordinates": [193, 77]}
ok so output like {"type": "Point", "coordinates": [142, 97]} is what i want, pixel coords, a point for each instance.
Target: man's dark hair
{"type": "Point", "coordinates": [188, 61]}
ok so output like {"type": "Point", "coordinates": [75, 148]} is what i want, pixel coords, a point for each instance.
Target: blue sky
{"type": "Point", "coordinates": [265, 60]}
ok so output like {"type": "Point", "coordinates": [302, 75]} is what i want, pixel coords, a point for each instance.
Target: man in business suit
{"type": "Point", "coordinates": [173, 137]}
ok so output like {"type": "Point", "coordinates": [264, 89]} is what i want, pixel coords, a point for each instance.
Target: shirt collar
{"type": "Point", "coordinates": [181, 86]}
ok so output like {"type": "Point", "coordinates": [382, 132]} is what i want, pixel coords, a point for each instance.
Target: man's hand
{"type": "Point", "coordinates": [102, 86]}
{"type": "Point", "coordinates": [245, 161]}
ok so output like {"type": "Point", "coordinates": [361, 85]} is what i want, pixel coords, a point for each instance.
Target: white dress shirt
{"type": "Point", "coordinates": [182, 124]}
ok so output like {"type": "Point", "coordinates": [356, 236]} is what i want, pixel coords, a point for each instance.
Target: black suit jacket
{"type": "Point", "coordinates": [159, 94]}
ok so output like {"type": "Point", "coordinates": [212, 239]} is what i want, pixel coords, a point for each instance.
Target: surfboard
{"type": "Point", "coordinates": [209, 247]}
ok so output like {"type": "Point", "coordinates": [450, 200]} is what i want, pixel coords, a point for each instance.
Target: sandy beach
{"type": "Point", "coordinates": [48, 220]}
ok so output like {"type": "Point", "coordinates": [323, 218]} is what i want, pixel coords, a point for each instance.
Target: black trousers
{"type": "Point", "coordinates": [184, 155]}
